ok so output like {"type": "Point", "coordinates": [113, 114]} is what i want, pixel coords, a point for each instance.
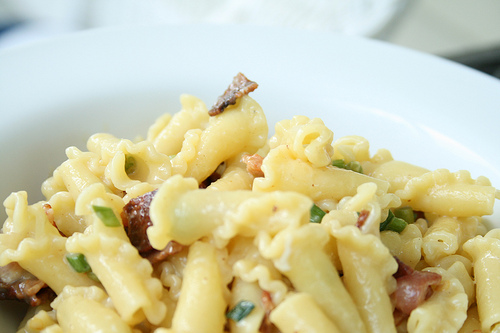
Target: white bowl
{"type": "Point", "coordinates": [55, 94]}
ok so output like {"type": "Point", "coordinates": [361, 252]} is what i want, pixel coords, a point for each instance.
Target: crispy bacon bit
{"type": "Point", "coordinates": [136, 220]}
{"type": "Point", "coordinates": [50, 213]}
{"type": "Point", "coordinates": [363, 215]}
{"type": "Point", "coordinates": [172, 248]}
{"type": "Point", "coordinates": [254, 164]}
{"type": "Point", "coordinates": [239, 87]}
{"type": "Point", "coordinates": [50, 216]}
{"type": "Point", "coordinates": [413, 288]}
{"type": "Point", "coordinates": [18, 284]}
{"type": "Point", "coordinates": [267, 302]}
{"type": "Point", "coordinates": [214, 176]}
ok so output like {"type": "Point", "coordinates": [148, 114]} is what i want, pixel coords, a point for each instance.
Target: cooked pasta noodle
{"type": "Point", "coordinates": [207, 226]}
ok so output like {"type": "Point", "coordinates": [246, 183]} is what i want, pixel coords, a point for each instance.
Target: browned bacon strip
{"type": "Point", "coordinates": [267, 302]}
{"type": "Point", "coordinates": [172, 248]}
{"type": "Point", "coordinates": [18, 284]}
{"type": "Point", "coordinates": [136, 220]}
{"type": "Point", "coordinates": [239, 87]}
{"type": "Point", "coordinates": [216, 175]}
{"type": "Point", "coordinates": [413, 287]}
{"type": "Point", "coordinates": [363, 215]}
{"type": "Point", "coordinates": [254, 164]}
{"type": "Point", "coordinates": [49, 212]}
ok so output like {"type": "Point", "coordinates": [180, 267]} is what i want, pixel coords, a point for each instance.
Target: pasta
{"type": "Point", "coordinates": [210, 225]}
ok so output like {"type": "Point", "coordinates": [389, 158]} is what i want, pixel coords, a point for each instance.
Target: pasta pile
{"type": "Point", "coordinates": [231, 221]}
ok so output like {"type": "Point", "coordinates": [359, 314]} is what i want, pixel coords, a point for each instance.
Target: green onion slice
{"type": "Point", "coordinates": [316, 214]}
{"type": "Point", "coordinates": [240, 310]}
{"type": "Point", "coordinates": [92, 276]}
{"type": "Point", "coordinates": [393, 223]}
{"type": "Point", "coordinates": [339, 164]}
{"type": "Point", "coordinates": [78, 262]}
{"type": "Point", "coordinates": [130, 164]}
{"type": "Point", "coordinates": [397, 225]}
{"type": "Point", "coordinates": [405, 213]}
{"type": "Point", "coordinates": [107, 216]}
{"type": "Point", "coordinates": [354, 166]}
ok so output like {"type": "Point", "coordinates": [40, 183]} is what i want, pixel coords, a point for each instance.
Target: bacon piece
{"type": "Point", "coordinates": [136, 220]}
{"type": "Point", "coordinates": [267, 302]}
{"type": "Point", "coordinates": [18, 284]}
{"type": "Point", "coordinates": [172, 248]}
{"type": "Point", "coordinates": [363, 215]}
{"type": "Point", "coordinates": [135, 217]}
{"type": "Point", "coordinates": [239, 87]}
{"type": "Point", "coordinates": [413, 287]}
{"type": "Point", "coordinates": [216, 175]}
{"type": "Point", "coordinates": [254, 164]}
{"type": "Point", "coordinates": [49, 212]}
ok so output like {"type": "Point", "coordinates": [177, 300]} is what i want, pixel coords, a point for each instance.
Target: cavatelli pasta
{"type": "Point", "coordinates": [228, 242]}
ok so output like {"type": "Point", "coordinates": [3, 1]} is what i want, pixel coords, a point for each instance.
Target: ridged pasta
{"type": "Point", "coordinates": [298, 254]}
{"type": "Point", "coordinates": [36, 245]}
{"type": "Point", "coordinates": [230, 221]}
{"type": "Point", "coordinates": [201, 293]}
{"type": "Point", "coordinates": [444, 311]}
{"type": "Point", "coordinates": [485, 253]}
{"type": "Point", "coordinates": [243, 129]}
{"type": "Point", "coordinates": [308, 139]}
{"type": "Point", "coordinates": [179, 213]}
{"type": "Point", "coordinates": [85, 309]}
{"type": "Point", "coordinates": [368, 267]}
{"type": "Point", "coordinates": [167, 133]}
{"type": "Point", "coordinates": [300, 313]}
{"type": "Point", "coordinates": [283, 172]}
{"type": "Point", "coordinates": [450, 194]}
{"type": "Point", "coordinates": [407, 245]}
{"type": "Point", "coordinates": [446, 236]}
{"type": "Point", "coordinates": [126, 276]}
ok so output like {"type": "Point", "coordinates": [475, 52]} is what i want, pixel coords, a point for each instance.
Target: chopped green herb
{"type": "Point", "coordinates": [397, 225]}
{"type": "Point", "coordinates": [384, 224]}
{"type": "Point", "coordinates": [130, 164]}
{"type": "Point", "coordinates": [405, 213]}
{"type": "Point", "coordinates": [240, 310]}
{"type": "Point", "coordinates": [316, 214]}
{"type": "Point", "coordinates": [393, 223]}
{"type": "Point", "coordinates": [107, 216]}
{"type": "Point", "coordinates": [92, 276]}
{"type": "Point", "coordinates": [78, 262]}
{"type": "Point", "coordinates": [354, 166]}
{"type": "Point", "coordinates": [339, 164]}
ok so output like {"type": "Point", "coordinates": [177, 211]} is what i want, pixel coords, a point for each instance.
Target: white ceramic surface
{"type": "Point", "coordinates": [55, 94]}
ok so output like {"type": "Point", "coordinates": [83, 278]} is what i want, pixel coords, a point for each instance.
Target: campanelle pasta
{"type": "Point", "coordinates": [209, 225]}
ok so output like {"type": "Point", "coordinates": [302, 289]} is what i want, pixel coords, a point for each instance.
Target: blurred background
{"type": "Point", "coordinates": [467, 31]}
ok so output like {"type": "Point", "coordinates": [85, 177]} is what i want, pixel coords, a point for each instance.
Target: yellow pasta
{"type": "Point", "coordinates": [368, 268]}
{"type": "Point", "coordinates": [446, 309]}
{"type": "Point", "coordinates": [446, 236]}
{"type": "Point", "coordinates": [283, 172]}
{"type": "Point", "coordinates": [485, 252]}
{"type": "Point", "coordinates": [167, 135]}
{"type": "Point", "coordinates": [84, 310]}
{"type": "Point", "coordinates": [201, 293]}
{"type": "Point", "coordinates": [242, 130]}
{"type": "Point", "coordinates": [452, 194]}
{"type": "Point", "coordinates": [300, 313]}
{"type": "Point", "coordinates": [214, 224]}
